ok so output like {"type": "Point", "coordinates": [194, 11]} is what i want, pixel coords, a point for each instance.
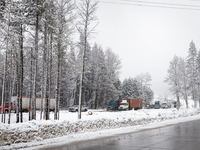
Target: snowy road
{"type": "Point", "coordinates": [183, 136]}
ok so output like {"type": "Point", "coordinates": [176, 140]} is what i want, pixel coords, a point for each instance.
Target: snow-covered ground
{"type": "Point", "coordinates": [100, 124]}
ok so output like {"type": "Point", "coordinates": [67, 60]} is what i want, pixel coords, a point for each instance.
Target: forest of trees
{"type": "Point", "coordinates": [184, 76]}
{"type": "Point", "coordinates": [138, 87]}
{"type": "Point", "coordinates": [40, 58]}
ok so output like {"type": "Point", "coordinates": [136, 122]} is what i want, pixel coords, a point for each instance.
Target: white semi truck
{"type": "Point", "coordinates": [25, 103]}
{"type": "Point", "coordinates": [124, 105]}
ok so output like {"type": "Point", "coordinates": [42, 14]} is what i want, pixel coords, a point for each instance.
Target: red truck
{"type": "Point", "coordinates": [129, 104]}
{"type": "Point", "coordinates": [6, 107]}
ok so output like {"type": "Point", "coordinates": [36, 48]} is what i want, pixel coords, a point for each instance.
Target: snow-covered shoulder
{"type": "Point", "coordinates": [99, 124]}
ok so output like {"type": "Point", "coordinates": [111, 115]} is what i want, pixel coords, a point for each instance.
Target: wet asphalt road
{"type": "Point", "coordinates": [184, 136]}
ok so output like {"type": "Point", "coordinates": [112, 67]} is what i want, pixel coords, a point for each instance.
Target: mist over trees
{"type": "Point", "coordinates": [40, 58]}
{"type": "Point", "coordinates": [184, 76]}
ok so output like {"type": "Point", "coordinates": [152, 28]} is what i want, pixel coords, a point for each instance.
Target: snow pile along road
{"type": "Point", "coordinates": [69, 124]}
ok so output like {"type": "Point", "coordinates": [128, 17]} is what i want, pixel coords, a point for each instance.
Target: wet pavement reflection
{"type": "Point", "coordinates": [184, 136]}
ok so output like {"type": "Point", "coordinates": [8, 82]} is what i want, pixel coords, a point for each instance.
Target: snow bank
{"type": "Point", "coordinates": [39, 130]}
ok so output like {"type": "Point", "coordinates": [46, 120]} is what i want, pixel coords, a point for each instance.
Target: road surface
{"type": "Point", "coordinates": [184, 136]}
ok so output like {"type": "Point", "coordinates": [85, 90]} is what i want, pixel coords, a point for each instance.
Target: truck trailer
{"type": "Point", "coordinates": [129, 104]}
{"type": "Point", "coordinates": [25, 103]}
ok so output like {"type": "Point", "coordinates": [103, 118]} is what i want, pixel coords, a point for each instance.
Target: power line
{"type": "Point", "coordinates": [158, 3]}
{"type": "Point", "coordinates": [155, 6]}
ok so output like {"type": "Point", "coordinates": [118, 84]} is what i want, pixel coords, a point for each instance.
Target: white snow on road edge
{"type": "Point", "coordinates": [40, 134]}
{"type": "Point", "coordinates": [107, 133]}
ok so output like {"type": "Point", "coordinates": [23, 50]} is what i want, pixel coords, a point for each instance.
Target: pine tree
{"type": "Point", "coordinates": [128, 89]}
{"type": "Point", "coordinates": [144, 84]}
{"type": "Point", "coordinates": [71, 77]}
{"type": "Point", "coordinates": [113, 65]}
{"type": "Point", "coordinates": [184, 80]}
{"type": "Point", "coordinates": [97, 77]}
{"type": "Point", "coordinates": [198, 77]}
{"type": "Point", "coordinates": [173, 78]}
{"type": "Point", "coordinates": [192, 66]}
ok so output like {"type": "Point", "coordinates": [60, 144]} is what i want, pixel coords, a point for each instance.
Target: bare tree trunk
{"type": "Point", "coordinates": [81, 81]}
{"type": "Point", "coordinates": [178, 101]}
{"type": "Point", "coordinates": [21, 72]}
{"type": "Point", "coordinates": [59, 108]}
{"type": "Point", "coordinates": [50, 64]}
{"type": "Point", "coordinates": [10, 92]}
{"type": "Point", "coordinates": [5, 65]}
{"type": "Point", "coordinates": [57, 88]}
{"type": "Point", "coordinates": [186, 101]}
{"type": "Point", "coordinates": [86, 12]}
{"type": "Point", "coordinates": [18, 92]}
{"type": "Point", "coordinates": [4, 118]}
{"type": "Point", "coordinates": [42, 88]}
{"type": "Point", "coordinates": [31, 84]}
{"type": "Point", "coordinates": [47, 75]}
{"type": "Point", "coordinates": [44, 115]}
{"type": "Point", "coordinates": [3, 88]}
{"type": "Point", "coordinates": [47, 97]}
{"type": "Point", "coordinates": [44, 85]}
{"type": "Point", "coordinates": [42, 99]}
{"type": "Point", "coordinates": [83, 69]}
{"type": "Point", "coordinates": [35, 65]}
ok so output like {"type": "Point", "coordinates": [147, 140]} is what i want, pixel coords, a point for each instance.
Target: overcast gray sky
{"type": "Point", "coordinates": [146, 38]}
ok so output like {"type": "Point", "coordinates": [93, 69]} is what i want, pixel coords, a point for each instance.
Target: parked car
{"type": "Point", "coordinates": [149, 106]}
{"type": "Point", "coordinates": [164, 105]}
{"type": "Point", "coordinates": [157, 105]}
{"type": "Point", "coordinates": [75, 108]}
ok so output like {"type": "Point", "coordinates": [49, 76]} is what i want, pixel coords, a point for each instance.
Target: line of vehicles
{"type": "Point", "coordinates": [129, 104]}
{"type": "Point", "coordinates": [125, 104]}
{"type": "Point", "coordinates": [161, 104]}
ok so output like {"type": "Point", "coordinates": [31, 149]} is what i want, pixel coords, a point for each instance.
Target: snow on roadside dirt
{"type": "Point", "coordinates": [40, 132]}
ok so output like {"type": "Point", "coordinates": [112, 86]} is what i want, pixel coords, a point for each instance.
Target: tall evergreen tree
{"type": "Point", "coordinates": [184, 80]}
{"type": "Point", "coordinates": [198, 77]}
{"type": "Point", "coordinates": [173, 78]}
{"type": "Point", "coordinates": [97, 77]}
{"type": "Point", "coordinates": [192, 66]}
{"type": "Point", "coordinates": [128, 89]}
{"type": "Point", "coordinates": [113, 65]}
